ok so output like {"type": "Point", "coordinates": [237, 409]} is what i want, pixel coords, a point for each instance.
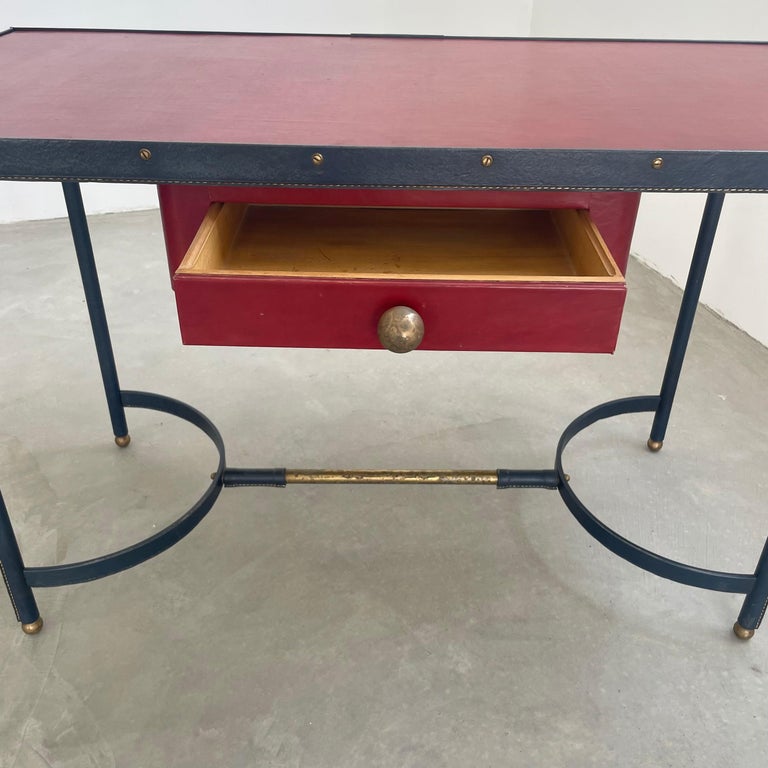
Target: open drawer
{"type": "Point", "coordinates": [313, 276]}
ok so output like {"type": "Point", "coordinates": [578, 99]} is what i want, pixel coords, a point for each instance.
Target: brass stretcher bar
{"type": "Point", "coordinates": [501, 478]}
{"type": "Point", "coordinates": [435, 476]}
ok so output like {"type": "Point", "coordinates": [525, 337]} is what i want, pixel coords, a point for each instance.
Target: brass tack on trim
{"type": "Point", "coordinates": [317, 158]}
{"type": "Point", "coordinates": [657, 162]}
{"type": "Point", "coordinates": [145, 153]}
{"type": "Point", "coordinates": [486, 160]}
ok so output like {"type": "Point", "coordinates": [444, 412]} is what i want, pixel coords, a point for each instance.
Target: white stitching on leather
{"type": "Point", "coordinates": [765, 607]}
{"type": "Point", "coordinates": [10, 594]}
{"type": "Point", "coordinates": [311, 185]}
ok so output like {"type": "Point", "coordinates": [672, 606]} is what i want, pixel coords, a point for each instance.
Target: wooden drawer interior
{"type": "Point", "coordinates": [400, 243]}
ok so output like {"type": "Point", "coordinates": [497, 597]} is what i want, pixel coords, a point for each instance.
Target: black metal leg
{"type": "Point", "coordinates": [707, 229]}
{"type": "Point", "coordinates": [756, 601]}
{"type": "Point", "coordinates": [85, 260]}
{"type": "Point", "coordinates": [12, 568]}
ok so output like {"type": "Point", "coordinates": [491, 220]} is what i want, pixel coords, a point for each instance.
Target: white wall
{"type": "Point", "coordinates": [738, 280]}
{"type": "Point", "coordinates": [652, 19]}
{"type": "Point", "coordinates": [444, 17]}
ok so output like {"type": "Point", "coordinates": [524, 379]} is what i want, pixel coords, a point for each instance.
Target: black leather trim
{"type": "Point", "coordinates": [388, 167]}
{"type": "Point", "coordinates": [720, 581]}
{"type": "Point", "coordinates": [237, 478]}
{"type": "Point", "coordinates": [114, 562]}
{"type": "Point", "coordinates": [528, 478]}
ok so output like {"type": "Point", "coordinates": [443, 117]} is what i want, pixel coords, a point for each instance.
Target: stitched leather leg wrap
{"type": "Point", "coordinates": [235, 478]}
{"type": "Point", "coordinates": [528, 478]}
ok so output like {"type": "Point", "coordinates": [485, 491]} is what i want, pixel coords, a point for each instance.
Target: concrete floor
{"type": "Point", "coordinates": [383, 626]}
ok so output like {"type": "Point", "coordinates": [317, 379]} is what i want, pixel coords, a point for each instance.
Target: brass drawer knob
{"type": "Point", "coordinates": [401, 329]}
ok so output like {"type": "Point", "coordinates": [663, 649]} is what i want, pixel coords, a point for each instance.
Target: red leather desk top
{"type": "Point", "coordinates": [385, 92]}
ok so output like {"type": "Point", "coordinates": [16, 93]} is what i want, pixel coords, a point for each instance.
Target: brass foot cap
{"type": "Point", "coordinates": [741, 632]}
{"type": "Point", "coordinates": [122, 441]}
{"type": "Point", "coordinates": [655, 445]}
{"type": "Point", "coordinates": [33, 627]}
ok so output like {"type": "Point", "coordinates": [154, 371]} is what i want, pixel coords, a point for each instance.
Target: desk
{"type": "Point", "coordinates": [385, 122]}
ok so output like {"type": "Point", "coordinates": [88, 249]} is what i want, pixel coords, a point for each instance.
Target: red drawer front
{"type": "Point", "coordinates": [335, 313]}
